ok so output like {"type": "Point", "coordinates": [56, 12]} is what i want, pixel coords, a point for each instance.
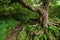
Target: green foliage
{"type": "Point", "coordinates": [5, 26]}
{"type": "Point", "coordinates": [35, 2]}
{"type": "Point", "coordinates": [41, 37]}
{"type": "Point", "coordinates": [54, 30]}
{"type": "Point", "coordinates": [22, 35]}
{"type": "Point", "coordinates": [45, 37]}
{"type": "Point", "coordinates": [4, 1]}
{"type": "Point", "coordinates": [31, 28]}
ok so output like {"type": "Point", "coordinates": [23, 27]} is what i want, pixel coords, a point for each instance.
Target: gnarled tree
{"type": "Point", "coordinates": [43, 11]}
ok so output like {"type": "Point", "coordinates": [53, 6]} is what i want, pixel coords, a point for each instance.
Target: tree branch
{"type": "Point", "coordinates": [30, 7]}
{"type": "Point", "coordinates": [27, 5]}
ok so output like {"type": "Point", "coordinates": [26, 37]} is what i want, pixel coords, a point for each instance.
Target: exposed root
{"type": "Point", "coordinates": [39, 32]}
{"type": "Point", "coordinates": [14, 33]}
{"type": "Point", "coordinates": [55, 24]}
{"type": "Point", "coordinates": [50, 37]}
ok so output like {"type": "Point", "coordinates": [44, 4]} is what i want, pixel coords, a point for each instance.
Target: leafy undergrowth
{"type": "Point", "coordinates": [5, 26]}
{"type": "Point", "coordinates": [53, 33]}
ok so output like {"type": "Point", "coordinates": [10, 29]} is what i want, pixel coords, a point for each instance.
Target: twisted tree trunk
{"type": "Point", "coordinates": [41, 10]}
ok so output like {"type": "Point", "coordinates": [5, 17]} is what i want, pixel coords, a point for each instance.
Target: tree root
{"type": "Point", "coordinates": [14, 33]}
{"type": "Point", "coordinates": [55, 24]}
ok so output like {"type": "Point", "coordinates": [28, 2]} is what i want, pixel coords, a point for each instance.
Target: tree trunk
{"type": "Point", "coordinates": [45, 19]}
{"type": "Point", "coordinates": [45, 12]}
